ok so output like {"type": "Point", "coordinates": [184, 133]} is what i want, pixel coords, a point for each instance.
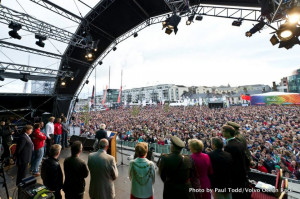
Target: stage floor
{"type": "Point", "coordinates": [122, 184]}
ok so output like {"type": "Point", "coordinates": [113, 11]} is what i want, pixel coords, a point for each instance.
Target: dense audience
{"type": "Point", "coordinates": [272, 132]}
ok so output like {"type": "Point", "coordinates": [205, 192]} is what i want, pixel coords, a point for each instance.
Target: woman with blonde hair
{"type": "Point", "coordinates": [141, 174]}
{"type": "Point", "coordinates": [202, 166]}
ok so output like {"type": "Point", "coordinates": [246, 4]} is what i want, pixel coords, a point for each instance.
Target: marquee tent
{"type": "Point", "coordinates": [279, 98]}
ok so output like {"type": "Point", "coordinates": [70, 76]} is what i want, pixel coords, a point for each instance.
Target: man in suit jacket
{"type": "Point", "coordinates": [221, 162]}
{"type": "Point", "coordinates": [23, 153]}
{"type": "Point", "coordinates": [102, 133]}
{"type": "Point", "coordinates": [75, 173]}
{"type": "Point", "coordinates": [103, 171]}
{"type": "Point", "coordinates": [237, 151]}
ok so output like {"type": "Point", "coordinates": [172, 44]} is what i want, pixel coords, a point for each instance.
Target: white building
{"type": "Point", "coordinates": [154, 94]}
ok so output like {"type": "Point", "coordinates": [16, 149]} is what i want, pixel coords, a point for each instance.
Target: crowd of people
{"type": "Point", "coordinates": [272, 132]}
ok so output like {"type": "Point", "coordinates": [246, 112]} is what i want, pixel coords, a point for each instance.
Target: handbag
{"type": "Point", "coordinates": [195, 181]}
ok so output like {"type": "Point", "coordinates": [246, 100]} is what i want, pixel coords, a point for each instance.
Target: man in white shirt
{"type": "Point", "coordinates": [49, 134]}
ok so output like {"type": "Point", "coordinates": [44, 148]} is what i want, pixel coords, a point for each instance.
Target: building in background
{"type": "Point", "coordinates": [294, 82]}
{"type": "Point", "coordinates": [283, 85]}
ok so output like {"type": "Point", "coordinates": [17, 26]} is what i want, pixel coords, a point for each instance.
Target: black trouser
{"type": "Point", "coordinates": [70, 195]}
{"type": "Point", "coordinates": [21, 174]}
{"type": "Point", "coordinates": [49, 144]}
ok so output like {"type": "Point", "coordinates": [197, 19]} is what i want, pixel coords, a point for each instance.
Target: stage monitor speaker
{"type": "Point", "coordinates": [74, 138]}
{"type": "Point", "coordinates": [89, 144]}
{"type": "Point", "coordinates": [82, 140]}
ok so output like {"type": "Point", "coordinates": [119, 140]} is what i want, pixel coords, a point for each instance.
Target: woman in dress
{"type": "Point", "coordinates": [141, 173]}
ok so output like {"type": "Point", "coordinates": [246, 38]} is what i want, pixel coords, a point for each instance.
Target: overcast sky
{"type": "Point", "coordinates": [210, 52]}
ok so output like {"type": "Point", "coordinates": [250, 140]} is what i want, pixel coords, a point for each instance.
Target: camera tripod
{"type": "Point", "coordinates": [2, 175]}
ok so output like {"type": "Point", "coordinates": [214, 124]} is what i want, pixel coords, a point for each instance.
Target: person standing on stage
{"type": "Point", "coordinates": [23, 152]}
{"type": "Point", "coordinates": [75, 173]}
{"type": "Point", "coordinates": [57, 131]}
{"type": "Point", "coordinates": [65, 132]}
{"type": "Point", "coordinates": [175, 172]}
{"type": "Point", "coordinates": [51, 172]}
{"type": "Point", "coordinates": [103, 171]}
{"type": "Point", "coordinates": [237, 151]}
{"type": "Point", "coordinates": [102, 133]}
{"type": "Point", "coordinates": [49, 132]}
{"type": "Point", "coordinates": [38, 139]}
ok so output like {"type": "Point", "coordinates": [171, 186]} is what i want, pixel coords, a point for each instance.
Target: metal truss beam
{"type": "Point", "coordinates": [229, 12]}
{"type": "Point", "coordinates": [34, 70]}
{"type": "Point", "coordinates": [58, 10]}
{"type": "Point", "coordinates": [281, 7]}
{"type": "Point", "coordinates": [178, 5]}
{"type": "Point", "coordinates": [34, 25]}
{"type": "Point", "coordinates": [42, 53]}
{"type": "Point", "coordinates": [99, 8]}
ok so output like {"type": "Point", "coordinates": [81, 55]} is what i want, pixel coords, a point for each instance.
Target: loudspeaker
{"type": "Point", "coordinates": [89, 144]}
{"type": "Point", "coordinates": [73, 139]}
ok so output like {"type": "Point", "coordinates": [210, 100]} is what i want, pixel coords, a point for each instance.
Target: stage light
{"type": "Point", "coordinates": [2, 78]}
{"type": "Point", "coordinates": [77, 100]}
{"type": "Point", "coordinates": [168, 31]}
{"type": "Point", "coordinates": [135, 34]}
{"type": "Point", "coordinates": [87, 82]}
{"type": "Point", "coordinates": [95, 45]}
{"type": "Point", "coordinates": [190, 20]}
{"type": "Point", "coordinates": [274, 40]}
{"type": "Point", "coordinates": [237, 23]}
{"type": "Point", "coordinates": [289, 43]}
{"type": "Point", "coordinates": [199, 18]}
{"type": "Point", "coordinates": [15, 28]}
{"type": "Point", "coordinates": [294, 18]}
{"type": "Point", "coordinates": [100, 62]}
{"type": "Point", "coordinates": [114, 48]}
{"type": "Point", "coordinates": [40, 42]}
{"type": "Point", "coordinates": [171, 23]}
{"type": "Point", "coordinates": [24, 78]}
{"type": "Point", "coordinates": [286, 32]}
{"type": "Point", "coordinates": [63, 83]}
{"type": "Point", "coordinates": [72, 78]}
{"type": "Point", "coordinates": [256, 28]}
{"type": "Point", "coordinates": [89, 55]}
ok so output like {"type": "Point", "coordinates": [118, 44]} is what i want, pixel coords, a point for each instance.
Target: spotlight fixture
{"type": "Point", "coordinates": [294, 15]}
{"type": "Point", "coordinates": [24, 78]}
{"type": "Point", "coordinates": [63, 83]}
{"type": "Point", "coordinates": [190, 20]}
{"type": "Point", "coordinates": [274, 40]}
{"type": "Point", "coordinates": [256, 28]}
{"type": "Point", "coordinates": [114, 48]}
{"type": "Point", "coordinates": [289, 43]}
{"type": "Point", "coordinates": [72, 78]}
{"type": "Point", "coordinates": [237, 23]}
{"type": "Point", "coordinates": [286, 32]}
{"type": "Point", "coordinates": [171, 23]}
{"type": "Point", "coordinates": [15, 28]}
{"type": "Point", "coordinates": [87, 81]}
{"type": "Point", "coordinates": [40, 38]}
{"type": "Point", "coordinates": [95, 45]}
{"type": "Point", "coordinates": [168, 31]}
{"type": "Point", "coordinates": [135, 34]}
{"type": "Point", "coordinates": [89, 55]}
{"type": "Point", "coordinates": [77, 100]}
{"type": "Point", "coordinates": [100, 62]}
{"type": "Point", "coordinates": [2, 78]}
{"type": "Point", "coordinates": [199, 18]}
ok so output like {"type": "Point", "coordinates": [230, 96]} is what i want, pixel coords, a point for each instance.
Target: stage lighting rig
{"type": "Point", "coordinates": [87, 81]}
{"type": "Point", "coordinates": [199, 18]}
{"type": "Point", "coordinates": [237, 23]}
{"type": "Point", "coordinates": [135, 34]}
{"type": "Point", "coordinates": [95, 45]}
{"type": "Point", "coordinates": [190, 20]}
{"type": "Point", "coordinates": [171, 24]}
{"type": "Point", "coordinates": [72, 78]}
{"type": "Point", "coordinates": [100, 62]}
{"type": "Point", "coordinates": [114, 48]}
{"type": "Point", "coordinates": [287, 35]}
{"type": "Point", "coordinates": [25, 77]}
{"type": "Point", "coordinates": [40, 42]}
{"type": "Point", "coordinates": [15, 28]}
{"type": "Point", "coordinates": [89, 55]}
{"type": "Point", "coordinates": [255, 28]}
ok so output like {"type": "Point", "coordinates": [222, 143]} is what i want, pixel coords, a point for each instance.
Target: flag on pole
{"type": "Point", "coordinates": [246, 97]}
{"type": "Point", "coordinates": [93, 95]}
{"type": "Point", "coordinates": [119, 97]}
{"type": "Point", "coordinates": [104, 97]}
